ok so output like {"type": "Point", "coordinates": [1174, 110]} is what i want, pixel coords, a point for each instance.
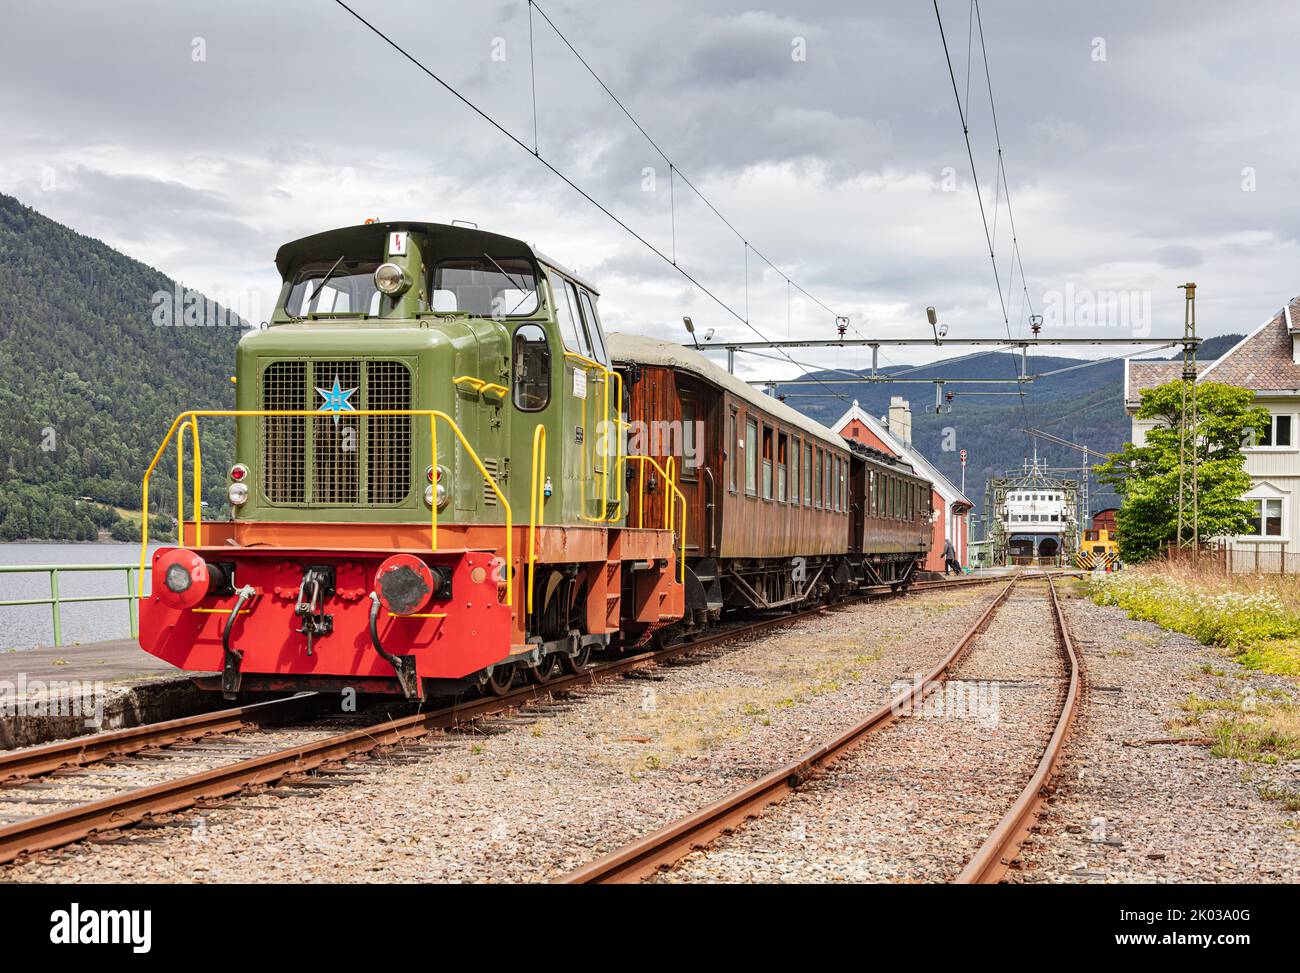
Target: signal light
{"type": "Point", "coordinates": [238, 472]}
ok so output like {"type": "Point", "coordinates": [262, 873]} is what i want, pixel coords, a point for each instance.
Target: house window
{"type": "Point", "coordinates": [1266, 518]}
{"type": "Point", "coordinates": [1278, 432]}
{"type": "Point", "coordinates": [751, 456]}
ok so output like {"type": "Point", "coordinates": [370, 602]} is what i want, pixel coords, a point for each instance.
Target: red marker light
{"type": "Point", "coordinates": [238, 472]}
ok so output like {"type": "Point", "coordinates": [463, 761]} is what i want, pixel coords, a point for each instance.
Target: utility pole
{"type": "Point", "coordinates": [1188, 500]}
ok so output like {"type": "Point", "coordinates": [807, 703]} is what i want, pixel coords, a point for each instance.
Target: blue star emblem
{"type": "Point", "coordinates": [336, 400]}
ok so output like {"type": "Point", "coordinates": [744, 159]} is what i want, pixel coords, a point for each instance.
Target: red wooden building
{"type": "Point", "coordinates": [893, 435]}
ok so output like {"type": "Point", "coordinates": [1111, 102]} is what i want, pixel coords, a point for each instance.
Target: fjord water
{"type": "Point", "coordinates": [29, 626]}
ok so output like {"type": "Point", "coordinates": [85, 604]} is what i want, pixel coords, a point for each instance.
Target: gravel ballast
{"type": "Point", "coordinates": [1128, 809]}
{"type": "Point", "coordinates": [915, 800]}
{"type": "Point", "coordinates": [533, 795]}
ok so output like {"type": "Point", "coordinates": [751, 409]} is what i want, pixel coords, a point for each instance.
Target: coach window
{"type": "Point", "coordinates": [767, 462]}
{"type": "Point", "coordinates": [689, 444]}
{"type": "Point", "coordinates": [839, 487]}
{"type": "Point", "coordinates": [807, 475]}
{"type": "Point", "coordinates": [751, 457]}
{"type": "Point", "coordinates": [782, 467]}
{"type": "Point", "coordinates": [532, 369]}
{"type": "Point", "coordinates": [826, 480]}
{"type": "Point", "coordinates": [733, 452]}
{"type": "Point", "coordinates": [794, 471]}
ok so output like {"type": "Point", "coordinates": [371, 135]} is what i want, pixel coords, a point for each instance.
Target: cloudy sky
{"type": "Point", "coordinates": [1145, 144]}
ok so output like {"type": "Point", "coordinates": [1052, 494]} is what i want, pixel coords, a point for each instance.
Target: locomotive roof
{"type": "Point", "coordinates": [652, 351]}
{"type": "Point", "coordinates": [327, 244]}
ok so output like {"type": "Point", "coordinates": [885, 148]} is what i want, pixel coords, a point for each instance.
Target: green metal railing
{"type": "Point", "coordinates": [57, 601]}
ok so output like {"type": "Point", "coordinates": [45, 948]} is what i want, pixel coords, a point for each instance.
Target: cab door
{"type": "Point", "coordinates": [582, 388]}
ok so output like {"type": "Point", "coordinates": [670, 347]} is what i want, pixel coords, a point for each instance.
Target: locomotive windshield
{"type": "Point", "coordinates": [485, 286]}
{"type": "Point", "coordinates": [334, 287]}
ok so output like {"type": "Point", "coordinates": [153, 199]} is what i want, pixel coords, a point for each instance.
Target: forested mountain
{"type": "Point", "coordinates": [89, 383]}
{"type": "Point", "coordinates": [1085, 406]}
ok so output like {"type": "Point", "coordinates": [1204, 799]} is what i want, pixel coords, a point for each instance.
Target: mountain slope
{"type": "Point", "coordinates": [89, 384]}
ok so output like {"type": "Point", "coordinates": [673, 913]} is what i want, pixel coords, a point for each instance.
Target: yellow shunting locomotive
{"type": "Point", "coordinates": [1100, 546]}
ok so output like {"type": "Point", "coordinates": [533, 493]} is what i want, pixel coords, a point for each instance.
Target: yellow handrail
{"type": "Point", "coordinates": [536, 504]}
{"type": "Point", "coordinates": [480, 386]}
{"type": "Point", "coordinates": [191, 418]}
{"type": "Point", "coordinates": [608, 374]}
{"type": "Point", "coordinates": [180, 485]}
{"type": "Point", "coordinates": [669, 506]}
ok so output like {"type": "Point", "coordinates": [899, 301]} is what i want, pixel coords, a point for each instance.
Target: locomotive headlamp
{"type": "Point", "coordinates": [391, 279]}
{"type": "Point", "coordinates": [238, 494]}
{"type": "Point", "coordinates": [437, 491]}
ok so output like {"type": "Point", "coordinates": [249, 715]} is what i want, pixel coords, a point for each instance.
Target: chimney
{"type": "Point", "coordinates": [900, 419]}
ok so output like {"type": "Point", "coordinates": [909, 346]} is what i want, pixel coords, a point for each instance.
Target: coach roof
{"type": "Point", "coordinates": [651, 351]}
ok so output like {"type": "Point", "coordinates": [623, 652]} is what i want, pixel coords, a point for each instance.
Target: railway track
{"type": "Point", "coordinates": [84, 819]}
{"type": "Point", "coordinates": [665, 847]}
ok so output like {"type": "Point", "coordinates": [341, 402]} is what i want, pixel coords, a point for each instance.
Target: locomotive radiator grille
{"type": "Point", "coordinates": [388, 438]}
{"type": "Point", "coordinates": [335, 441]}
{"type": "Point", "coordinates": [284, 441]}
{"type": "Point", "coordinates": [336, 436]}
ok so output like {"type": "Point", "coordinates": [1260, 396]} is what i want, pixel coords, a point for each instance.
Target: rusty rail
{"type": "Point", "coordinates": [990, 863]}
{"type": "Point", "coordinates": [78, 751]}
{"type": "Point", "coordinates": [671, 843]}
{"type": "Point", "coordinates": [116, 811]}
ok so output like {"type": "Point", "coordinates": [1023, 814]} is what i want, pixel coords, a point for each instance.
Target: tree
{"type": "Point", "coordinates": [1146, 477]}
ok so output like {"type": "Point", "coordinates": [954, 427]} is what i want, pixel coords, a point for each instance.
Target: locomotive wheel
{"type": "Point", "coordinates": [546, 670]}
{"type": "Point", "coordinates": [574, 664]}
{"type": "Point", "coordinates": [500, 681]}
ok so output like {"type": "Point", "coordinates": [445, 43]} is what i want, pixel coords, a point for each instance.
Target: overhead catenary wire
{"type": "Point", "coordinates": [535, 152]}
{"type": "Point", "coordinates": [674, 173]}
{"type": "Point", "coordinates": [970, 153]}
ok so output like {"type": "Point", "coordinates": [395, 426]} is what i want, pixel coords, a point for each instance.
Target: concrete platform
{"type": "Point", "coordinates": [53, 693]}
{"type": "Point", "coordinates": [111, 660]}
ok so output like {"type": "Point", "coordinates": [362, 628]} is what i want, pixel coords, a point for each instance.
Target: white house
{"type": "Point", "coordinates": [1266, 361]}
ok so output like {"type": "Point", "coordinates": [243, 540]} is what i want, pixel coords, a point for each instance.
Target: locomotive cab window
{"type": "Point", "coordinates": [334, 287]}
{"type": "Point", "coordinates": [569, 318]}
{"type": "Point", "coordinates": [485, 287]}
{"type": "Point", "coordinates": [531, 369]}
{"type": "Point", "coordinates": [594, 333]}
